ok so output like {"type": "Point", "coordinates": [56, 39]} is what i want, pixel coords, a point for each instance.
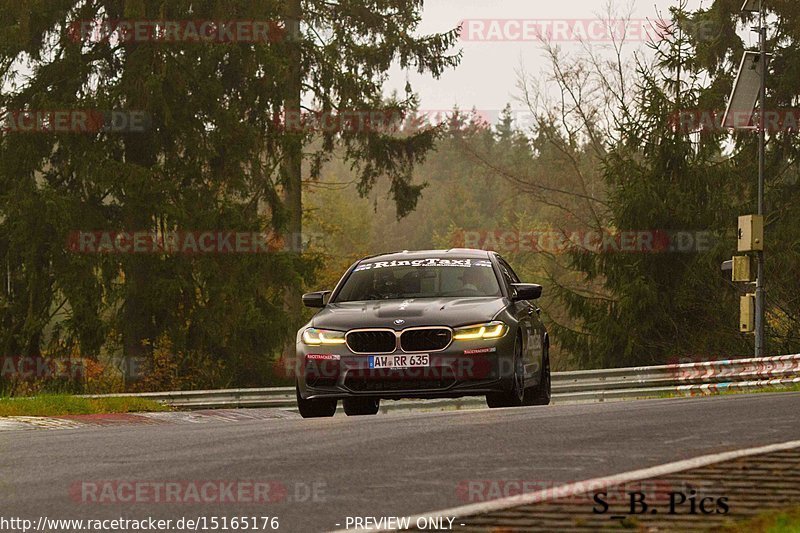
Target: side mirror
{"type": "Point", "coordinates": [315, 299]}
{"type": "Point", "coordinates": [526, 291]}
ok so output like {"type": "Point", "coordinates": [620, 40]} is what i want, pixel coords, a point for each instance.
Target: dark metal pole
{"type": "Point", "coordinates": [760, 347]}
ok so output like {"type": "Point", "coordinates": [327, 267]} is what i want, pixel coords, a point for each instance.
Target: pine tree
{"type": "Point", "coordinates": [665, 304]}
{"type": "Point", "coordinates": [718, 53]}
{"type": "Point", "coordinates": [214, 157]}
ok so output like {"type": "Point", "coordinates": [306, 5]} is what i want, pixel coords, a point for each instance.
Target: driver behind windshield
{"type": "Point", "coordinates": [472, 280]}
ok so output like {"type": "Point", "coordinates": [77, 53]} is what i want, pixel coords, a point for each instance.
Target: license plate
{"type": "Point", "coordinates": [399, 361]}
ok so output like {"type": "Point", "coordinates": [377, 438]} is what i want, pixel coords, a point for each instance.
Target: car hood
{"type": "Point", "coordinates": [415, 312]}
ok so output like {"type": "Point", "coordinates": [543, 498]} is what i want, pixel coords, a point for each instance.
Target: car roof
{"type": "Point", "coordinates": [453, 253]}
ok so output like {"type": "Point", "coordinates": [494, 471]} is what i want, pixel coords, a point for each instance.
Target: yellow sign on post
{"type": "Point", "coordinates": [742, 268]}
{"type": "Point", "coordinates": [751, 233]}
{"type": "Point", "coordinates": [747, 313]}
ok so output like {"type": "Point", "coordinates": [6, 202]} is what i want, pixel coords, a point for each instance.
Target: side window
{"type": "Point", "coordinates": [508, 275]}
{"type": "Point", "coordinates": [508, 272]}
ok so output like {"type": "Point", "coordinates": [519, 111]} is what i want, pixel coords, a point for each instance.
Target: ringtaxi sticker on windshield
{"type": "Point", "coordinates": [430, 262]}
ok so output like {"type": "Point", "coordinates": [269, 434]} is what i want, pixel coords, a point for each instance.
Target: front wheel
{"type": "Point", "coordinates": [516, 397]}
{"type": "Point", "coordinates": [541, 393]}
{"type": "Point", "coordinates": [361, 406]}
{"type": "Point", "coordinates": [322, 407]}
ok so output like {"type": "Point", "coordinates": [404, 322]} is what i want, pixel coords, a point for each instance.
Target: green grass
{"type": "Point", "coordinates": [787, 521]}
{"type": "Point", "coordinates": [63, 404]}
{"type": "Point", "coordinates": [726, 391]}
{"type": "Point", "coordinates": [775, 388]}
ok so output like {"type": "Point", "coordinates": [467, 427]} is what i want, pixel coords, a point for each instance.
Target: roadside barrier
{"type": "Point", "coordinates": [686, 379]}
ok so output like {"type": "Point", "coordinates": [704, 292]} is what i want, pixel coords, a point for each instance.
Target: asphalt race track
{"type": "Point", "coordinates": [396, 464]}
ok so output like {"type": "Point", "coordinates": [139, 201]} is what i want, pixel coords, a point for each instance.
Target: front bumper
{"type": "Point", "coordinates": [465, 368]}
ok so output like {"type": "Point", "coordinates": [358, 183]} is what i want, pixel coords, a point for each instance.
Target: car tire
{"type": "Point", "coordinates": [516, 396]}
{"type": "Point", "coordinates": [496, 400]}
{"type": "Point", "coordinates": [319, 408]}
{"type": "Point", "coordinates": [361, 406]}
{"type": "Point", "coordinates": [541, 394]}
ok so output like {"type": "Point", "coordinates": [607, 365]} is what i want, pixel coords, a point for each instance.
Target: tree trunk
{"type": "Point", "coordinates": [136, 323]}
{"type": "Point", "coordinates": [293, 156]}
{"type": "Point", "coordinates": [293, 166]}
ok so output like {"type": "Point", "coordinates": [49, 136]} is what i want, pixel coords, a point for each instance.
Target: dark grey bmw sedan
{"type": "Point", "coordinates": [423, 324]}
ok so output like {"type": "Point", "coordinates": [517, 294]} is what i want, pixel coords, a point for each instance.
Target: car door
{"type": "Point", "coordinates": [527, 317]}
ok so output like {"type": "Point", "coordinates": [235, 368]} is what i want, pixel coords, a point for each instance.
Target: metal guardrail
{"type": "Point", "coordinates": [214, 399]}
{"type": "Point", "coordinates": [583, 385]}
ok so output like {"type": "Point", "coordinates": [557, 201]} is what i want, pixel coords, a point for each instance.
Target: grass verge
{"type": "Point", "coordinates": [726, 391]}
{"type": "Point", "coordinates": [63, 404]}
{"type": "Point", "coordinates": [787, 521]}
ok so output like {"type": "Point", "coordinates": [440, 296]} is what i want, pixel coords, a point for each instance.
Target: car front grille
{"type": "Point", "coordinates": [372, 342]}
{"type": "Point", "coordinates": [425, 340]}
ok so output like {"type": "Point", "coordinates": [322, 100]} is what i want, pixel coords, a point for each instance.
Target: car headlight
{"type": "Point", "coordinates": [316, 337]}
{"type": "Point", "coordinates": [490, 330]}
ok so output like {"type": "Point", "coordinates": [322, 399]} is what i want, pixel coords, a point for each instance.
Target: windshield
{"type": "Point", "coordinates": [420, 278]}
